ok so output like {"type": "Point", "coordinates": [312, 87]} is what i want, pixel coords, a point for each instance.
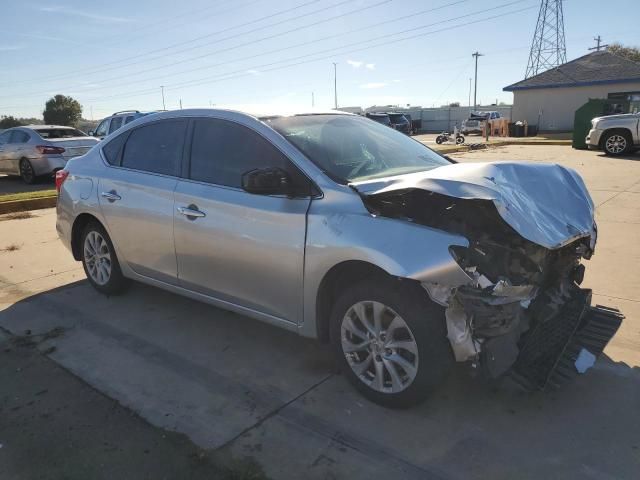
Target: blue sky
{"type": "Point", "coordinates": [115, 55]}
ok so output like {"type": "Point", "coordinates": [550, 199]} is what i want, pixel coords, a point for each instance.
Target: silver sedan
{"type": "Point", "coordinates": [38, 150]}
{"type": "Point", "coordinates": [341, 229]}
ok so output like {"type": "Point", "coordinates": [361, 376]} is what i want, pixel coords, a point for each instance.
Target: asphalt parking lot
{"type": "Point", "coordinates": [241, 387]}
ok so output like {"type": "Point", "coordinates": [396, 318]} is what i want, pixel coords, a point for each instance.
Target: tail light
{"type": "Point", "coordinates": [61, 176]}
{"type": "Point", "coordinates": [49, 149]}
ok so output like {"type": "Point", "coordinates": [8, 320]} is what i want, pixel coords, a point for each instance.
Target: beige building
{"type": "Point", "coordinates": [551, 98]}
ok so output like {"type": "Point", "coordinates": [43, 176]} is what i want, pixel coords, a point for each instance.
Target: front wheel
{"type": "Point", "coordinates": [390, 339]}
{"type": "Point", "coordinates": [439, 139]}
{"type": "Point", "coordinates": [459, 140]}
{"type": "Point", "coordinates": [617, 143]}
{"type": "Point", "coordinates": [100, 262]}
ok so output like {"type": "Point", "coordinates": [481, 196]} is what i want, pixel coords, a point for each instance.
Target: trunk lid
{"type": "Point", "coordinates": [75, 146]}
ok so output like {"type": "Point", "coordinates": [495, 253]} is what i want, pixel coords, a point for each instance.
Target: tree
{"type": "Point", "coordinates": [62, 110]}
{"type": "Point", "coordinates": [630, 53]}
{"type": "Point", "coordinates": [9, 122]}
{"type": "Point", "coordinates": [454, 104]}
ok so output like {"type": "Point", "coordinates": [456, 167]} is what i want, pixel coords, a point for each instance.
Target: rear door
{"type": "Point", "coordinates": [4, 163]}
{"type": "Point", "coordinates": [243, 248]}
{"type": "Point", "coordinates": [136, 195]}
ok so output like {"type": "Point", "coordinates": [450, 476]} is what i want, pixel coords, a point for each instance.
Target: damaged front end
{"type": "Point", "coordinates": [522, 313]}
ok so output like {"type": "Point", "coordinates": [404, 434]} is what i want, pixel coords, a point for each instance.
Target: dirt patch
{"type": "Point", "coordinates": [11, 248]}
{"type": "Point", "coordinates": [52, 425]}
{"type": "Point", "coordinates": [16, 216]}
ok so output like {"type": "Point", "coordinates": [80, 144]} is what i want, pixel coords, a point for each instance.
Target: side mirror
{"type": "Point", "coordinates": [267, 181]}
{"type": "Point", "coordinates": [91, 133]}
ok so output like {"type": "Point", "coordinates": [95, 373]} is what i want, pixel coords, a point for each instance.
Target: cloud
{"type": "Point", "coordinates": [374, 85]}
{"type": "Point", "coordinates": [79, 13]}
{"type": "Point", "coordinates": [370, 66]}
{"type": "Point", "coordinates": [254, 72]}
{"type": "Point", "coordinates": [355, 63]}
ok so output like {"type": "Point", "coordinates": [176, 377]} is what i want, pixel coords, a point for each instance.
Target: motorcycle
{"type": "Point", "coordinates": [446, 137]}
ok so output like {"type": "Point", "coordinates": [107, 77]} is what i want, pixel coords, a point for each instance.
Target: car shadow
{"type": "Point", "coordinates": [631, 156]}
{"type": "Point", "coordinates": [213, 374]}
{"type": "Point", "coordinates": [13, 184]}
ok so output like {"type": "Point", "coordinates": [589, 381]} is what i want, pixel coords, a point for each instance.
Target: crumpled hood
{"type": "Point", "coordinates": [547, 204]}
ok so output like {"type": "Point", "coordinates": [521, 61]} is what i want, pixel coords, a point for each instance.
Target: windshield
{"type": "Point", "coordinates": [397, 118]}
{"type": "Point", "coordinates": [60, 133]}
{"type": "Point", "coordinates": [351, 148]}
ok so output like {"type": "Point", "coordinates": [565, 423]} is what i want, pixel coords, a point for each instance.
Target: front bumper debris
{"type": "Point", "coordinates": [553, 352]}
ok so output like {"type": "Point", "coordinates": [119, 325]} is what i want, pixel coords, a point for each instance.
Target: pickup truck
{"type": "Point", "coordinates": [615, 134]}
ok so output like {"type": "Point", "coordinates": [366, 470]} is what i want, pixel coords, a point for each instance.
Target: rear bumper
{"type": "Point", "coordinates": [556, 350]}
{"type": "Point", "coordinates": [47, 164]}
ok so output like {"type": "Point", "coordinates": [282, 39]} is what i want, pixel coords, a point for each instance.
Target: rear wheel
{"type": "Point", "coordinates": [100, 262]}
{"type": "Point", "coordinates": [390, 339]}
{"type": "Point", "coordinates": [617, 142]}
{"type": "Point", "coordinates": [27, 173]}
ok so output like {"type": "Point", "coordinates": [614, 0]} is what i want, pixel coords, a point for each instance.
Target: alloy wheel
{"type": "Point", "coordinates": [616, 144]}
{"type": "Point", "coordinates": [97, 257]}
{"type": "Point", "coordinates": [26, 171]}
{"type": "Point", "coordinates": [379, 347]}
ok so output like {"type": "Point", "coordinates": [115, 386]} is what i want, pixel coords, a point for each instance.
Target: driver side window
{"type": "Point", "coordinates": [102, 129]}
{"type": "Point", "coordinates": [4, 138]}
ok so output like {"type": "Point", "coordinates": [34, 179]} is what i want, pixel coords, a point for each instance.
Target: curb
{"type": "Point", "coordinates": [467, 148]}
{"type": "Point", "coordinates": [28, 204]}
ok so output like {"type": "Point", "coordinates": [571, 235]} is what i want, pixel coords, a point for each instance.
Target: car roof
{"type": "Point", "coordinates": [256, 111]}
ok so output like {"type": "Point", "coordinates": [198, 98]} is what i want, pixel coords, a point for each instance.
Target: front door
{"type": "Point", "coordinates": [238, 247]}
{"type": "Point", "coordinates": [136, 197]}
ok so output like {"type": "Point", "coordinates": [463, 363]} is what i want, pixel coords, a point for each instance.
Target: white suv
{"type": "Point", "coordinates": [115, 121]}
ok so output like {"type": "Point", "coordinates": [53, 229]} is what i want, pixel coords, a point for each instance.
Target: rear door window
{"type": "Point", "coordinates": [156, 147]}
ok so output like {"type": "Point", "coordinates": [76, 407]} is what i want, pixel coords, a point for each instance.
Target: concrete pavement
{"type": "Point", "coordinates": [248, 389]}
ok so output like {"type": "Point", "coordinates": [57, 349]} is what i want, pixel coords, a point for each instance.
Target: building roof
{"type": "Point", "coordinates": [592, 69]}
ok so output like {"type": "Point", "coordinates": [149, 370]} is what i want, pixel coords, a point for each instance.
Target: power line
{"type": "Point", "coordinates": [316, 40]}
{"type": "Point", "coordinates": [242, 73]}
{"type": "Point", "coordinates": [108, 66]}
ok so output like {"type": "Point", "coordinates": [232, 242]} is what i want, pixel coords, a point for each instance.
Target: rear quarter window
{"type": "Point", "coordinates": [112, 150]}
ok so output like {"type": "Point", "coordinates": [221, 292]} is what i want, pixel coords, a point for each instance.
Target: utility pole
{"type": "Point", "coordinates": [475, 90]}
{"type": "Point", "coordinates": [598, 45]}
{"type": "Point", "coordinates": [162, 90]}
{"type": "Point", "coordinates": [313, 100]}
{"type": "Point", "coordinates": [469, 92]}
{"type": "Point", "coordinates": [180, 104]}
{"type": "Point", "coordinates": [335, 84]}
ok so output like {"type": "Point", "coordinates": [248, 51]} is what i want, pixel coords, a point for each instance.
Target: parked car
{"type": "Point", "coordinates": [474, 123]}
{"type": "Point", "coordinates": [381, 118]}
{"type": "Point", "coordinates": [38, 150]}
{"type": "Point", "coordinates": [119, 119]}
{"type": "Point", "coordinates": [335, 227]}
{"type": "Point", "coordinates": [615, 134]}
{"type": "Point", "coordinates": [400, 122]}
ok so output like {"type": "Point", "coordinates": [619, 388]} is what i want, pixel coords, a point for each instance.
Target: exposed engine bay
{"type": "Point", "coordinates": [517, 288]}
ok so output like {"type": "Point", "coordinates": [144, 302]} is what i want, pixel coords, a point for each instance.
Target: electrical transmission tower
{"type": "Point", "coordinates": [548, 49]}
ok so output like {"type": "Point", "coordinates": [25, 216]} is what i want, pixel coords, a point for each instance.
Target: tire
{"type": "Point", "coordinates": [103, 273]}
{"type": "Point", "coordinates": [27, 173]}
{"type": "Point", "coordinates": [422, 327]}
{"type": "Point", "coordinates": [617, 142]}
{"type": "Point", "coordinates": [439, 139]}
{"type": "Point", "coordinates": [459, 140]}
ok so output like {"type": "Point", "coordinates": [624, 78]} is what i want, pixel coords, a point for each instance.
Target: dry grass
{"type": "Point", "coordinates": [28, 195]}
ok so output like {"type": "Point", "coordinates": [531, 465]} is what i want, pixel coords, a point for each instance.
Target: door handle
{"type": "Point", "coordinates": [112, 196]}
{"type": "Point", "coordinates": [191, 211]}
